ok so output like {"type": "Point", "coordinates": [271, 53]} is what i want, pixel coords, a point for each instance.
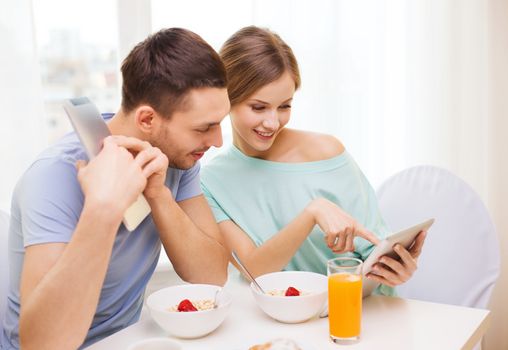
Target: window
{"type": "Point", "coordinates": [78, 56]}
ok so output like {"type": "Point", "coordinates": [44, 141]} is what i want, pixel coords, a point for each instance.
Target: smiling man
{"type": "Point", "coordinates": [77, 274]}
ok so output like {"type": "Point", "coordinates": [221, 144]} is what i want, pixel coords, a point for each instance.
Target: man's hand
{"type": "Point", "coordinates": [151, 159]}
{"type": "Point", "coordinates": [340, 229]}
{"type": "Point", "coordinates": [393, 272]}
{"type": "Point", "coordinates": [113, 178]}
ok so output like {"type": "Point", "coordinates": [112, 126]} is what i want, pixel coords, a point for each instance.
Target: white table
{"type": "Point", "coordinates": [388, 323]}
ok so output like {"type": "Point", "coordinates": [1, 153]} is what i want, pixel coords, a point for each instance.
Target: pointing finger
{"type": "Point", "coordinates": [366, 234]}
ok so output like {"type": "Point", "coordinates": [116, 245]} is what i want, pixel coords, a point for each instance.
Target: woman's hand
{"type": "Point", "coordinates": [393, 272]}
{"type": "Point", "coordinates": [340, 228]}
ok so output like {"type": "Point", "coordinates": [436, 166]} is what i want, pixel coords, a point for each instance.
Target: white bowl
{"type": "Point", "coordinates": [155, 344]}
{"type": "Point", "coordinates": [188, 324]}
{"type": "Point", "coordinates": [294, 309]}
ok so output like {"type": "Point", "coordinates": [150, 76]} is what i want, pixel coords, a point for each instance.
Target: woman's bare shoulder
{"type": "Point", "coordinates": [313, 146]}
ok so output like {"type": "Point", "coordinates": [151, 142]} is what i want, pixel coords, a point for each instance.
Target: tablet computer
{"type": "Point", "coordinates": [404, 237]}
{"type": "Point", "coordinates": [91, 129]}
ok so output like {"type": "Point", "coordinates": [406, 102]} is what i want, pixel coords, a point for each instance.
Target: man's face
{"type": "Point", "coordinates": [194, 128]}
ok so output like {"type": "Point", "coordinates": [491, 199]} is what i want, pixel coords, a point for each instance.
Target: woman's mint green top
{"type": "Point", "coordinates": [262, 197]}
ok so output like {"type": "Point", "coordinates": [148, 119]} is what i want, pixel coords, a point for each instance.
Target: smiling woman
{"type": "Point", "coordinates": [314, 200]}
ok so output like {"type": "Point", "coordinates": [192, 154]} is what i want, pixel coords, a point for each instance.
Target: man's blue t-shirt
{"type": "Point", "coordinates": [46, 206]}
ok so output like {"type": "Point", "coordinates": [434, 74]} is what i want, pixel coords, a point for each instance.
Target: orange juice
{"type": "Point", "coordinates": [344, 304]}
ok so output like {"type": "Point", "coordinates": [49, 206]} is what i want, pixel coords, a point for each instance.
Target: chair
{"type": "Point", "coordinates": [460, 261]}
{"type": "Point", "coordinates": [4, 265]}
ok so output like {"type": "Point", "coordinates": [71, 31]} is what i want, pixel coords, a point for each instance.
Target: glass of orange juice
{"type": "Point", "coordinates": [345, 299]}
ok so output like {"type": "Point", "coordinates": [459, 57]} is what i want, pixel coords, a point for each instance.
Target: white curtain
{"type": "Point", "coordinates": [400, 82]}
{"type": "Point", "coordinates": [22, 124]}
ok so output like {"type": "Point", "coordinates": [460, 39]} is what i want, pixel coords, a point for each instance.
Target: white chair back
{"type": "Point", "coordinates": [4, 264]}
{"type": "Point", "coordinates": [460, 261]}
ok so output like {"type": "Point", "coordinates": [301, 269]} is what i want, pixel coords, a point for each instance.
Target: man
{"type": "Point", "coordinates": [77, 274]}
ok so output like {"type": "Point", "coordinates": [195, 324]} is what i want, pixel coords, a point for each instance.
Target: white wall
{"type": "Point", "coordinates": [497, 336]}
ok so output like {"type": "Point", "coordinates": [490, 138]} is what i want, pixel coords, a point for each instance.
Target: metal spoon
{"type": "Point", "coordinates": [324, 313]}
{"type": "Point", "coordinates": [215, 305]}
{"type": "Point", "coordinates": [244, 269]}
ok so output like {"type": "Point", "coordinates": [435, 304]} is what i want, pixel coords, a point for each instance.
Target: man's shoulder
{"type": "Point", "coordinates": [67, 149]}
{"type": "Point", "coordinates": [54, 169]}
{"type": "Point", "coordinates": [48, 197]}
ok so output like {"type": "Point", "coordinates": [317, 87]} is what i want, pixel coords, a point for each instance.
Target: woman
{"type": "Point", "coordinates": [284, 198]}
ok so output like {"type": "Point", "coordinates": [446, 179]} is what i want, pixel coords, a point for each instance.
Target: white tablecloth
{"type": "Point", "coordinates": [387, 323]}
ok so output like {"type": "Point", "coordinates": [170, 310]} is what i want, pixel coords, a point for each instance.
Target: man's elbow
{"type": "Point", "coordinates": [24, 337]}
{"type": "Point", "coordinates": [27, 338]}
{"type": "Point", "coordinates": [221, 278]}
{"type": "Point", "coordinates": [217, 276]}
{"type": "Point", "coordinates": [215, 279]}
{"type": "Point", "coordinates": [34, 336]}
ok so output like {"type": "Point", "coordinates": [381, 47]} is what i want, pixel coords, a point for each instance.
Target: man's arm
{"type": "Point", "coordinates": [191, 238]}
{"type": "Point", "coordinates": [61, 283]}
{"type": "Point", "coordinates": [187, 229]}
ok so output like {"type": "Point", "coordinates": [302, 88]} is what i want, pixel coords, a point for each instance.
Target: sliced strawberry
{"type": "Point", "coordinates": [292, 292]}
{"type": "Point", "coordinates": [186, 306]}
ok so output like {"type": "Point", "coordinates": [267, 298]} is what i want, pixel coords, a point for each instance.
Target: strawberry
{"type": "Point", "coordinates": [186, 306]}
{"type": "Point", "coordinates": [292, 292]}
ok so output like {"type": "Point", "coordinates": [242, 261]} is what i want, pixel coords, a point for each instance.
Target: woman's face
{"type": "Point", "coordinates": [258, 120]}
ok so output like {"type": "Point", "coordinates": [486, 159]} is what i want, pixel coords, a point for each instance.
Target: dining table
{"type": "Point", "coordinates": [387, 323]}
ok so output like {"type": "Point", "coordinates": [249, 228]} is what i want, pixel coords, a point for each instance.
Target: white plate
{"type": "Point", "coordinates": [303, 345]}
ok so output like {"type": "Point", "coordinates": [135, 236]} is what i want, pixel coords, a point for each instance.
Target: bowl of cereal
{"type": "Point", "coordinates": [291, 296]}
{"type": "Point", "coordinates": [189, 311]}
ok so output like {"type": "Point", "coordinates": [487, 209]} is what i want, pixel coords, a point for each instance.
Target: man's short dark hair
{"type": "Point", "coordinates": [163, 68]}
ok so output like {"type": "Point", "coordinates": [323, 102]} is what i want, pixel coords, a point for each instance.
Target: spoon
{"type": "Point", "coordinates": [324, 313]}
{"type": "Point", "coordinates": [244, 269]}
{"type": "Point", "coordinates": [215, 305]}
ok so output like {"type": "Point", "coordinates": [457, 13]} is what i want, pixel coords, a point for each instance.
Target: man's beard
{"type": "Point", "coordinates": [181, 163]}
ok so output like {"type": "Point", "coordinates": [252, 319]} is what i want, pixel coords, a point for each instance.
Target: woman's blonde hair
{"type": "Point", "coordinates": [254, 57]}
